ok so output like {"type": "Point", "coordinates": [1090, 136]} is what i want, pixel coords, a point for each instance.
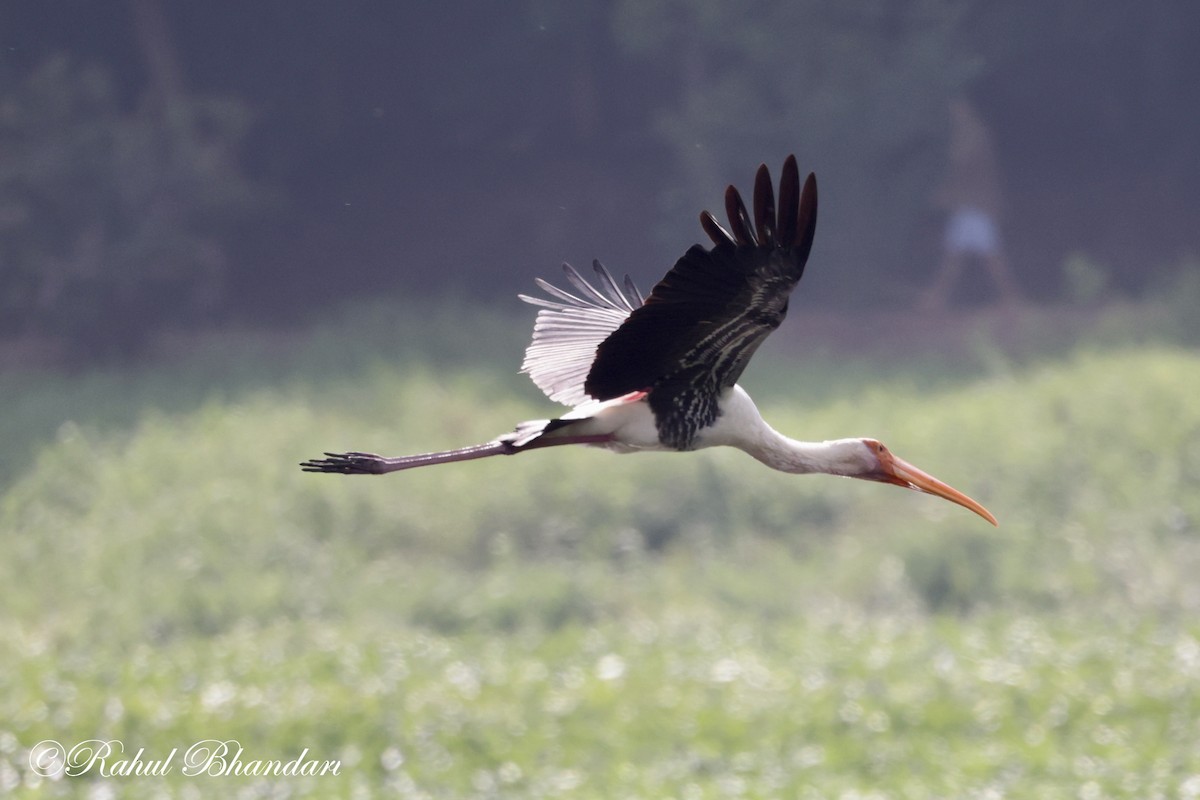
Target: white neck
{"type": "Point", "coordinates": [741, 426]}
{"type": "Point", "coordinates": [837, 457]}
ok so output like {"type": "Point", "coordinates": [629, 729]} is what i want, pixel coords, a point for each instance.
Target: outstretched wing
{"type": "Point", "coordinates": [570, 328]}
{"type": "Point", "coordinates": [701, 324]}
{"type": "Point", "coordinates": [703, 321]}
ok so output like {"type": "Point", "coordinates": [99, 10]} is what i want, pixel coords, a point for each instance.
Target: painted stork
{"type": "Point", "coordinates": [660, 373]}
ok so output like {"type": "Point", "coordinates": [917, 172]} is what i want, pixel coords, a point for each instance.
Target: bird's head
{"type": "Point", "coordinates": [879, 464]}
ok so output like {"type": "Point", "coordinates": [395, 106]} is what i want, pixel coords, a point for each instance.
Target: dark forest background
{"type": "Point", "coordinates": [167, 165]}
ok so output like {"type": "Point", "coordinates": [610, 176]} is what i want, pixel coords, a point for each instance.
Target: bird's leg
{"type": "Point", "coordinates": [355, 463]}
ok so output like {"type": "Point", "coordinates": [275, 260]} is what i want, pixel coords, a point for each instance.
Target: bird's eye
{"type": "Point", "coordinates": [882, 449]}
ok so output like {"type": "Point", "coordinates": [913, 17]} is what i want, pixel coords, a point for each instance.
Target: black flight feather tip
{"type": "Point", "coordinates": [710, 312]}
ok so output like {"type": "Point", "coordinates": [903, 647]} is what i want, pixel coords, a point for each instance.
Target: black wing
{"type": "Point", "coordinates": [703, 321]}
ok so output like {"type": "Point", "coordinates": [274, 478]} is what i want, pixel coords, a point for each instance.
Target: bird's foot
{"type": "Point", "coordinates": [346, 464]}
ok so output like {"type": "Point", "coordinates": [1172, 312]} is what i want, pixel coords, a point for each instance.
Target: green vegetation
{"type": "Point", "coordinates": [575, 624]}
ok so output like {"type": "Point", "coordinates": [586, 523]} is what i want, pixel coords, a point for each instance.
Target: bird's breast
{"type": "Point", "coordinates": [737, 424]}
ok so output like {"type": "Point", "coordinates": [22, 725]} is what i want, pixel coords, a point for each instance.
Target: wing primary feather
{"type": "Point", "coordinates": [789, 202]}
{"type": "Point", "coordinates": [806, 219]}
{"type": "Point", "coordinates": [609, 297]}
{"type": "Point", "coordinates": [610, 287]}
{"type": "Point", "coordinates": [554, 291]}
{"type": "Point", "coordinates": [764, 207]}
{"type": "Point", "coordinates": [541, 302]}
{"type": "Point", "coordinates": [586, 289]}
{"type": "Point", "coordinates": [739, 220]}
{"type": "Point", "coordinates": [634, 293]}
{"type": "Point", "coordinates": [569, 327]}
{"type": "Point", "coordinates": [718, 234]}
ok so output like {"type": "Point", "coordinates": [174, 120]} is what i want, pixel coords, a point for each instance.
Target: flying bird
{"type": "Point", "coordinates": [660, 373]}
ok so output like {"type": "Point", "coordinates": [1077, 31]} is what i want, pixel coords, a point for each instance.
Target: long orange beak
{"type": "Point", "coordinates": [901, 473]}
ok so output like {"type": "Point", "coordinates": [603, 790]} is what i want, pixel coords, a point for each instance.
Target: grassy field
{"type": "Point", "coordinates": [576, 624]}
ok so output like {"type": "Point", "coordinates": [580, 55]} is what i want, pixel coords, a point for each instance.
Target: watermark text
{"type": "Point", "coordinates": [109, 758]}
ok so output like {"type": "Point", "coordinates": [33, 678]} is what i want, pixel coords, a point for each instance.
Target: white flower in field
{"type": "Point", "coordinates": [464, 679]}
{"type": "Point", "coordinates": [726, 670]}
{"type": "Point", "coordinates": [566, 780]}
{"type": "Point", "coordinates": [509, 772]}
{"type": "Point", "coordinates": [483, 781]}
{"type": "Point", "coordinates": [809, 756]}
{"type": "Point", "coordinates": [610, 667]}
{"type": "Point", "coordinates": [10, 779]}
{"type": "Point", "coordinates": [217, 695]}
{"type": "Point", "coordinates": [878, 722]}
{"type": "Point", "coordinates": [102, 791]}
{"type": "Point", "coordinates": [1187, 654]}
{"type": "Point", "coordinates": [391, 759]}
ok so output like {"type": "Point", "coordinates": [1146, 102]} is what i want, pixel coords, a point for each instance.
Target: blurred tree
{"type": "Point", "coordinates": [551, 127]}
{"type": "Point", "coordinates": [858, 90]}
{"type": "Point", "coordinates": [1096, 112]}
{"type": "Point", "coordinates": [113, 222]}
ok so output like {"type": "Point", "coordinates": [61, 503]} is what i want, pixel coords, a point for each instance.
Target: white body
{"type": "Point", "coordinates": [630, 424]}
